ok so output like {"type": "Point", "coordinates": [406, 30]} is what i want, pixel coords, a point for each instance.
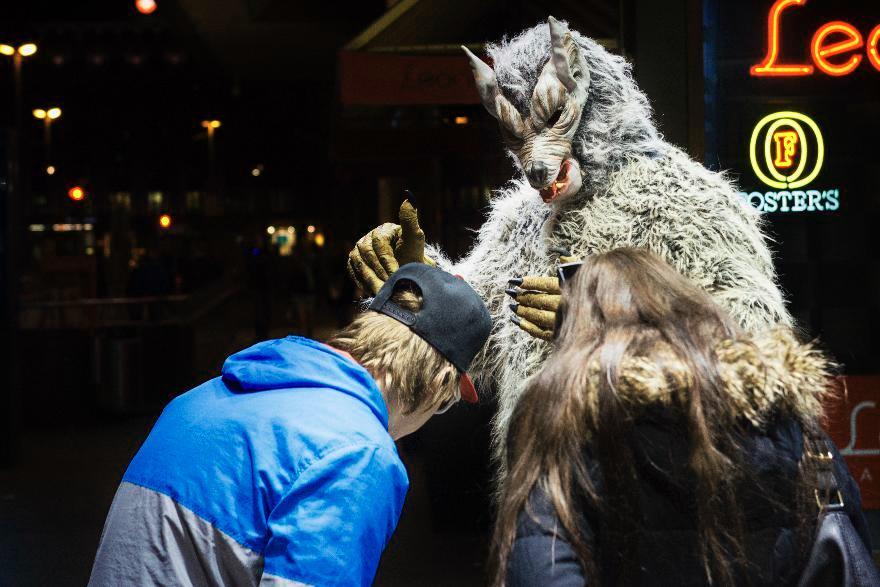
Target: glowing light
{"type": "Point", "coordinates": [27, 49]}
{"type": "Point", "coordinates": [789, 119]}
{"type": "Point", "coordinates": [53, 113]}
{"type": "Point", "coordinates": [270, 229]}
{"type": "Point", "coordinates": [50, 170]}
{"type": "Point", "coordinates": [256, 172]}
{"type": "Point", "coordinates": [801, 142]}
{"type": "Point", "coordinates": [211, 124]}
{"type": "Point", "coordinates": [873, 39]}
{"type": "Point", "coordinates": [291, 230]}
{"type": "Point", "coordinates": [768, 67]}
{"type": "Point", "coordinates": [165, 221]}
{"type": "Point", "coordinates": [461, 120]}
{"type": "Point", "coordinates": [7, 50]}
{"type": "Point", "coordinates": [794, 200]}
{"type": "Point", "coordinates": [39, 113]}
{"type": "Point", "coordinates": [310, 228]}
{"type": "Point", "coordinates": [873, 55]}
{"type": "Point", "coordinates": [821, 52]}
{"type": "Point", "coordinates": [319, 239]}
{"type": "Point", "coordinates": [71, 227]}
{"type": "Point", "coordinates": [76, 193]}
{"type": "Point", "coordinates": [145, 6]}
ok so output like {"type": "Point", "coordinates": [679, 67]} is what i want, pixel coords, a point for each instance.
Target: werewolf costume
{"type": "Point", "coordinates": [596, 175]}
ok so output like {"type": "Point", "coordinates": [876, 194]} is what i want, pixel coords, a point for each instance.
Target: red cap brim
{"type": "Point", "coordinates": [467, 389]}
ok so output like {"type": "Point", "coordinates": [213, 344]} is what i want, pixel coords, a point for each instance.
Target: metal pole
{"type": "Point", "coordinates": [47, 139]}
{"type": "Point", "coordinates": [9, 394]}
{"type": "Point", "coordinates": [211, 153]}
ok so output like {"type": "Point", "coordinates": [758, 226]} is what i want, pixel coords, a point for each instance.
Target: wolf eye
{"type": "Point", "coordinates": [554, 118]}
{"type": "Point", "coordinates": [509, 137]}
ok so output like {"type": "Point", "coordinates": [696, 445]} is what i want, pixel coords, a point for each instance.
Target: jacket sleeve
{"type": "Point", "coordinates": [541, 555]}
{"type": "Point", "coordinates": [331, 527]}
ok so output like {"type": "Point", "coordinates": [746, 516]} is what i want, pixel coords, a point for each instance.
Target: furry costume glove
{"type": "Point", "coordinates": [536, 300]}
{"type": "Point", "coordinates": [380, 252]}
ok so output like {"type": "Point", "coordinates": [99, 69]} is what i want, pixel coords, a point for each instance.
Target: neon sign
{"type": "Point", "coordinates": [786, 147]}
{"type": "Point", "coordinates": [846, 40]}
{"type": "Point", "coordinates": [789, 144]}
{"type": "Point", "coordinates": [793, 201]}
{"type": "Point", "coordinates": [790, 140]}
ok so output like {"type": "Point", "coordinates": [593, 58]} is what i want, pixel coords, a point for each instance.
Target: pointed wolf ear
{"type": "Point", "coordinates": [493, 100]}
{"type": "Point", "coordinates": [487, 85]}
{"type": "Point", "coordinates": [568, 61]}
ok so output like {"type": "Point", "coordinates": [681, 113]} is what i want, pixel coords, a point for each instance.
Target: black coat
{"type": "Point", "coordinates": [666, 548]}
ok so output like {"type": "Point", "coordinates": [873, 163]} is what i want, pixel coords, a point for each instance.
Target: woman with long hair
{"type": "Point", "coordinates": [660, 444]}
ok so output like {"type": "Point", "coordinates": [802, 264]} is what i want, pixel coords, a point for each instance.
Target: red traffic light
{"type": "Point", "coordinates": [76, 193]}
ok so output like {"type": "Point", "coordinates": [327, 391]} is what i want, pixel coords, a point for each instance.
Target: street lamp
{"type": "Point", "coordinates": [210, 126]}
{"type": "Point", "coordinates": [17, 54]}
{"type": "Point", "coordinates": [47, 116]}
{"type": "Point", "coordinates": [145, 6]}
{"type": "Point", "coordinates": [10, 242]}
{"type": "Point", "coordinates": [50, 114]}
{"type": "Point", "coordinates": [25, 50]}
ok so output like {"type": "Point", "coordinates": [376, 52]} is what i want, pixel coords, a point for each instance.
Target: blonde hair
{"type": "Point", "coordinates": [412, 373]}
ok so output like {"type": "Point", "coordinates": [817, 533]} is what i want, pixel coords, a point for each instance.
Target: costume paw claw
{"type": "Point", "coordinates": [382, 251]}
{"type": "Point", "coordinates": [536, 302]}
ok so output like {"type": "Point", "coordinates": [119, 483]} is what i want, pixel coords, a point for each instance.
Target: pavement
{"type": "Point", "coordinates": [53, 505]}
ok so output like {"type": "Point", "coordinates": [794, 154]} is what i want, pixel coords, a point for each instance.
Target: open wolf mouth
{"type": "Point", "coordinates": [559, 185]}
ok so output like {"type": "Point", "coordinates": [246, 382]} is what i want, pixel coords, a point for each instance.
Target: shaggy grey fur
{"type": "Point", "coordinates": [638, 190]}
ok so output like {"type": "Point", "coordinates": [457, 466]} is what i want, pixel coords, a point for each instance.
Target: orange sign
{"type": "Point", "coordinates": [854, 425]}
{"type": "Point", "coordinates": [835, 47]}
{"type": "Point", "coordinates": [386, 78]}
{"type": "Point", "coordinates": [786, 147]}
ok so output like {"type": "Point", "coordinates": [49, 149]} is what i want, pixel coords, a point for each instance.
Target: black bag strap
{"type": "Point", "coordinates": [827, 490]}
{"type": "Point", "coordinates": [838, 556]}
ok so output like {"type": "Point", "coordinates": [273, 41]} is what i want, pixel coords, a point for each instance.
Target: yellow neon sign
{"type": "Point", "coordinates": [789, 148]}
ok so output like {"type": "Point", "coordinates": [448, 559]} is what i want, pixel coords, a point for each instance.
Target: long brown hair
{"type": "Point", "coordinates": [623, 304]}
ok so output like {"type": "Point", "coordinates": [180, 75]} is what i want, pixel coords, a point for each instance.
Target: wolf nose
{"type": "Point", "coordinates": [537, 174]}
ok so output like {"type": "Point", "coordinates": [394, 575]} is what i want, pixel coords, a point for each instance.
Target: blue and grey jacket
{"type": "Point", "coordinates": [280, 472]}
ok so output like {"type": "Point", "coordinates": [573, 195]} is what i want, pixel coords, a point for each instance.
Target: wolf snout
{"type": "Point", "coordinates": [537, 174]}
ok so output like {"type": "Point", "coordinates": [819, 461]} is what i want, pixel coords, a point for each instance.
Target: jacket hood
{"type": "Point", "coordinates": [294, 362]}
{"type": "Point", "coordinates": [764, 375]}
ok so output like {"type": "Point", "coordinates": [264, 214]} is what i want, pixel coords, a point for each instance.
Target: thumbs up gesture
{"type": "Point", "coordinates": [386, 248]}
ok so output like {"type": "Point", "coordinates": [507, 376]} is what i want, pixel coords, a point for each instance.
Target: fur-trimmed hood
{"type": "Point", "coordinates": [765, 375]}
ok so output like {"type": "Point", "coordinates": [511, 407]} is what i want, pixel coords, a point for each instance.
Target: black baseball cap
{"type": "Point", "coordinates": [453, 319]}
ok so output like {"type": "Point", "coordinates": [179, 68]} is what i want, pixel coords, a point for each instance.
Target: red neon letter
{"type": "Point", "coordinates": [768, 67]}
{"type": "Point", "coordinates": [786, 147]}
{"type": "Point", "coordinates": [873, 55]}
{"type": "Point", "coordinates": [821, 52]}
